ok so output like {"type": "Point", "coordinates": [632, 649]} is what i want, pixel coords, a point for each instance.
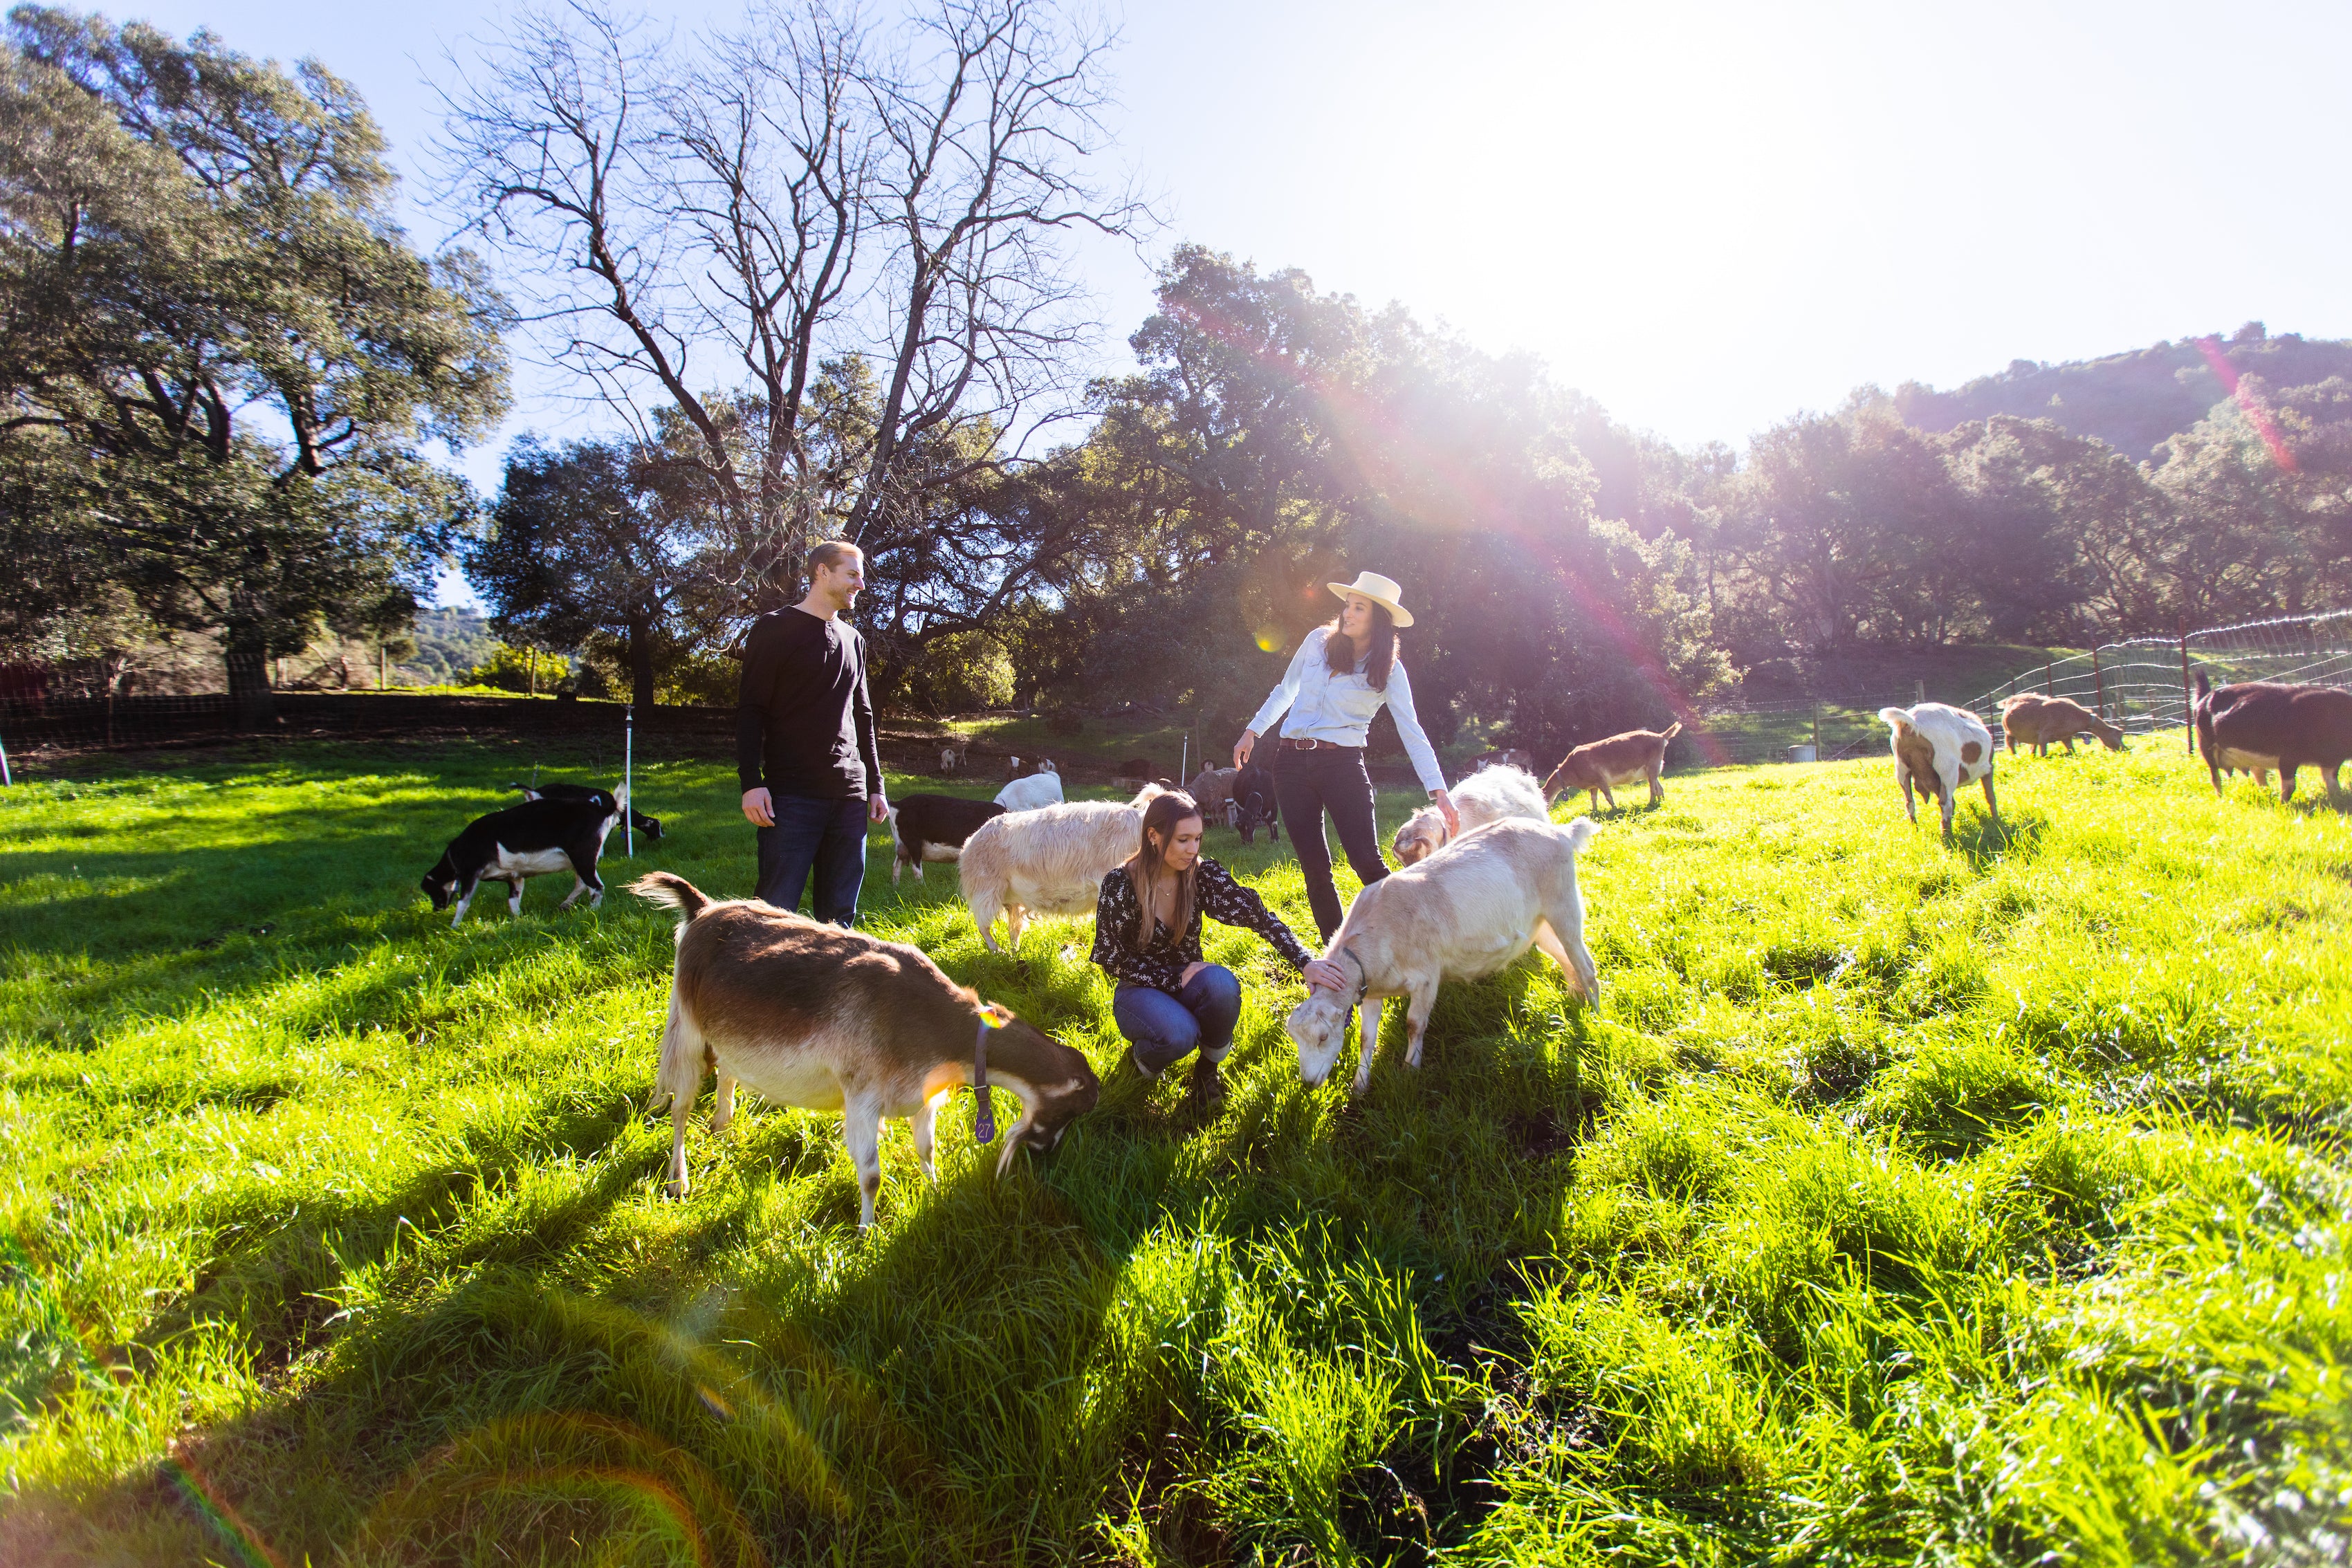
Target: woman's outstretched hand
{"type": "Point", "coordinates": [1323, 975]}
{"type": "Point", "coordinates": [1244, 747]}
{"type": "Point", "coordinates": [1444, 804]}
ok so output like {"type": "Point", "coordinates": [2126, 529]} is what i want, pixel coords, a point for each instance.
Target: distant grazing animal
{"type": "Point", "coordinates": [523, 841]}
{"type": "Point", "coordinates": [1255, 806]}
{"type": "Point", "coordinates": [933, 828]}
{"type": "Point", "coordinates": [2269, 723]}
{"type": "Point", "coordinates": [649, 826]}
{"type": "Point", "coordinates": [1938, 748]}
{"type": "Point", "coordinates": [1487, 795]}
{"type": "Point", "coordinates": [1043, 788]}
{"type": "Point", "coordinates": [1598, 765]}
{"type": "Point", "coordinates": [1213, 790]}
{"type": "Point", "coordinates": [824, 1018]}
{"type": "Point", "coordinates": [2031, 719]}
{"type": "Point", "coordinates": [1051, 861]}
{"type": "Point", "coordinates": [1454, 916]}
{"type": "Point", "coordinates": [951, 759]}
{"type": "Point", "coordinates": [1511, 758]}
{"type": "Point", "coordinates": [1138, 769]}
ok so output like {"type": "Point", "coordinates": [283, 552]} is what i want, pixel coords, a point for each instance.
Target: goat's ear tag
{"type": "Point", "coordinates": [995, 1016]}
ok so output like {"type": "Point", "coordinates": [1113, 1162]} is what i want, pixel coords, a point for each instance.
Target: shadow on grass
{"type": "Point", "coordinates": [748, 1373]}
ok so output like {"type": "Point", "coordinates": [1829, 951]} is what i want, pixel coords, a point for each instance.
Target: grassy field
{"type": "Point", "coordinates": [1898, 1204]}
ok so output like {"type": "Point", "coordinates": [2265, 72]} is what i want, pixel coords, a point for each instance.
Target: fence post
{"type": "Point", "coordinates": [628, 775]}
{"type": "Point", "coordinates": [5, 778]}
{"type": "Point", "coordinates": [2099, 680]}
{"type": "Point", "coordinates": [2187, 701]}
{"type": "Point", "coordinates": [1816, 731]}
{"type": "Point", "coordinates": [2049, 685]}
{"type": "Point", "coordinates": [1918, 692]}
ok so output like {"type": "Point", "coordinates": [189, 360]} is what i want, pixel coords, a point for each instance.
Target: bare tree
{"type": "Point", "coordinates": [859, 235]}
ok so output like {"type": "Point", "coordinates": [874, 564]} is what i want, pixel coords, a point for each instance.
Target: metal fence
{"type": "Point", "coordinates": [2144, 683]}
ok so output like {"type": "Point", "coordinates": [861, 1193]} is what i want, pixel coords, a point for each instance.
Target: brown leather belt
{"type": "Point", "coordinates": [1292, 743]}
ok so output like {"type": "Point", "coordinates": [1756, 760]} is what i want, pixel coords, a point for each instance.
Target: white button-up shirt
{"type": "Point", "coordinates": [1337, 708]}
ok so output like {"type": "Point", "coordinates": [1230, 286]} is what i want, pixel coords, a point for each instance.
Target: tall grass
{"type": "Point", "coordinates": [1899, 1202]}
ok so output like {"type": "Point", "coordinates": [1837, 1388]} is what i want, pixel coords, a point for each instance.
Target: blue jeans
{"type": "Point", "coordinates": [827, 836]}
{"type": "Point", "coordinates": [1165, 1029]}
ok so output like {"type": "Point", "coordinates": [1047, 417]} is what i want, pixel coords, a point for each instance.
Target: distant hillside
{"type": "Point", "coordinates": [2132, 401]}
{"type": "Point", "coordinates": [449, 643]}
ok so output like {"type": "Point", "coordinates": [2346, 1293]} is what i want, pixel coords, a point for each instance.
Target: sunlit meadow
{"type": "Point", "coordinates": [1898, 1203]}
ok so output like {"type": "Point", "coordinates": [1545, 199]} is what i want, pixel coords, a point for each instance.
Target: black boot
{"type": "Point", "coordinates": [1208, 1088]}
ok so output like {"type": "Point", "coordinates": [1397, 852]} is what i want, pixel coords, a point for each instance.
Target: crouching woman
{"type": "Point", "coordinates": [1170, 1001]}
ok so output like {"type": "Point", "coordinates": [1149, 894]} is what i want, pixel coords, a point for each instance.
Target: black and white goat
{"type": "Point", "coordinates": [649, 826]}
{"type": "Point", "coordinates": [556, 832]}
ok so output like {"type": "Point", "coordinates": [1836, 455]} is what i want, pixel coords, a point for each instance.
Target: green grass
{"type": "Point", "coordinates": [1899, 1202]}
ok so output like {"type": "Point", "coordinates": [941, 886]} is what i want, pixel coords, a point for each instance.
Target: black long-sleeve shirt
{"type": "Point", "coordinates": [803, 723]}
{"type": "Point", "coordinates": [1160, 963]}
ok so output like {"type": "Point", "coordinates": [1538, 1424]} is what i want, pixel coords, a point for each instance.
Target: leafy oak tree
{"type": "Point", "coordinates": [221, 360]}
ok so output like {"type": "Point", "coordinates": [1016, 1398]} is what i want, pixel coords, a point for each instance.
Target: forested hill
{"type": "Point", "coordinates": [2132, 401]}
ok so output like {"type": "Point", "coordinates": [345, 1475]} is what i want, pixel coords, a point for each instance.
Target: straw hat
{"type": "Point", "coordinates": [1382, 590]}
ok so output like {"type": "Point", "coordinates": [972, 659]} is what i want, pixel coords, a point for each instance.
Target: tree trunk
{"type": "Point", "coordinates": [251, 703]}
{"type": "Point", "coordinates": [640, 663]}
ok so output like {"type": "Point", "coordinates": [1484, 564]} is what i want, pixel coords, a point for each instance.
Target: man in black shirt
{"type": "Point", "coordinates": [805, 746]}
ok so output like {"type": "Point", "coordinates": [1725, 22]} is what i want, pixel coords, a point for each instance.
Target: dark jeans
{"type": "Point", "coordinates": [1165, 1029]}
{"type": "Point", "coordinates": [826, 835]}
{"type": "Point", "coordinates": [1307, 784]}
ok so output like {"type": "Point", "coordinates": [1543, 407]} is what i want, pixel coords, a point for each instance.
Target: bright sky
{"type": "Point", "coordinates": [1706, 217]}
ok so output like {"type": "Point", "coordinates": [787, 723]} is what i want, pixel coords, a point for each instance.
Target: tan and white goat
{"type": "Point", "coordinates": [1454, 916]}
{"type": "Point", "coordinates": [1598, 767]}
{"type": "Point", "coordinates": [1487, 795]}
{"type": "Point", "coordinates": [1050, 861]}
{"type": "Point", "coordinates": [1938, 748]}
{"type": "Point", "coordinates": [811, 1015]}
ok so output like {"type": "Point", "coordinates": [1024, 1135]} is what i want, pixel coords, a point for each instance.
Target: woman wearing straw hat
{"type": "Point", "coordinates": [1336, 683]}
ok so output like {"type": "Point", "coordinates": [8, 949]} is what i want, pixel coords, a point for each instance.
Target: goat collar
{"type": "Point", "coordinates": [983, 1115]}
{"type": "Point", "coordinates": [1363, 980]}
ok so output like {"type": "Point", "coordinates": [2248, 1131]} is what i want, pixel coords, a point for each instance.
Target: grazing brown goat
{"type": "Point", "coordinates": [1620, 759]}
{"type": "Point", "coordinates": [2253, 722]}
{"type": "Point", "coordinates": [812, 1015]}
{"type": "Point", "coordinates": [2031, 719]}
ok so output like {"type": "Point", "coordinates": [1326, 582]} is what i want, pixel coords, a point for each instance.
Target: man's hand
{"type": "Point", "coordinates": [1444, 804]}
{"type": "Point", "coordinates": [877, 809]}
{"type": "Point", "coordinates": [1323, 975]}
{"type": "Point", "coordinates": [758, 808]}
{"type": "Point", "coordinates": [1244, 747]}
{"type": "Point", "coordinates": [1189, 970]}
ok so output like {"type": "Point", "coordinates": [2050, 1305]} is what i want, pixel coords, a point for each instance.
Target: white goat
{"type": "Point", "coordinates": [1454, 916]}
{"type": "Point", "coordinates": [1050, 861]}
{"type": "Point", "coordinates": [1043, 788]}
{"type": "Point", "coordinates": [1489, 795]}
{"type": "Point", "coordinates": [1938, 748]}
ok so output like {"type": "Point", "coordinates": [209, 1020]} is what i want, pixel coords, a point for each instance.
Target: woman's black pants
{"type": "Point", "coordinates": [1309, 783]}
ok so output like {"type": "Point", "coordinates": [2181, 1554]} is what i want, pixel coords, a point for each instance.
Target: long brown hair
{"type": "Point", "coordinates": [1340, 652]}
{"type": "Point", "coordinates": [1149, 863]}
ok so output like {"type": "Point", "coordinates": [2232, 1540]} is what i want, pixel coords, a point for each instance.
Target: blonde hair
{"type": "Point", "coordinates": [828, 556]}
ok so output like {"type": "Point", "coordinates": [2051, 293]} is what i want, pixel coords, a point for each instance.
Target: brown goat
{"type": "Point", "coordinates": [1597, 765]}
{"type": "Point", "coordinates": [2255, 722]}
{"type": "Point", "coordinates": [2031, 719]}
{"type": "Point", "coordinates": [812, 1015]}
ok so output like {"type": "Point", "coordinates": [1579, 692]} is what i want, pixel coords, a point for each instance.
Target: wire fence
{"type": "Point", "coordinates": [2144, 683]}
{"type": "Point", "coordinates": [2141, 683]}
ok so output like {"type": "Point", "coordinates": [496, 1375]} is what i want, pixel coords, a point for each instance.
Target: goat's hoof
{"type": "Point", "coordinates": [674, 1190]}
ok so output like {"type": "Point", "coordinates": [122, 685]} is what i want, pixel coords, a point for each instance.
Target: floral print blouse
{"type": "Point", "coordinates": [1161, 965]}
